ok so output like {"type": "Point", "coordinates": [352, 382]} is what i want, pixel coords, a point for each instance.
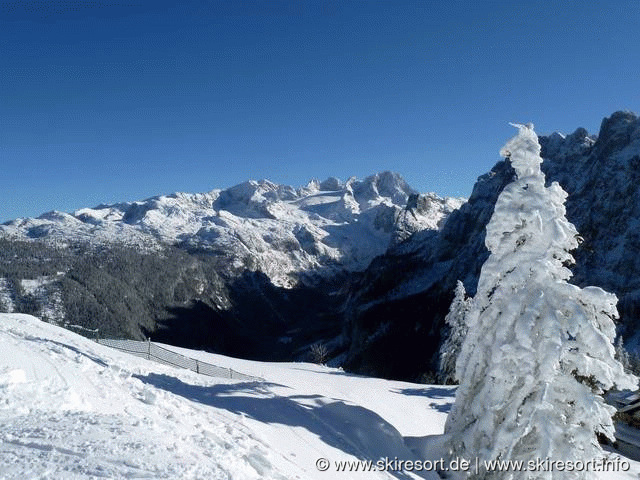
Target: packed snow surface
{"type": "Point", "coordinates": [74, 409]}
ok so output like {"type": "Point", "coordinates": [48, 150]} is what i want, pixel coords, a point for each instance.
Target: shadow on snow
{"type": "Point", "coordinates": [352, 429]}
{"type": "Point", "coordinates": [433, 392]}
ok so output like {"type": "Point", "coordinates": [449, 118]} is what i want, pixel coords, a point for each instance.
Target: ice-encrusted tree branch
{"type": "Point", "coordinates": [539, 351]}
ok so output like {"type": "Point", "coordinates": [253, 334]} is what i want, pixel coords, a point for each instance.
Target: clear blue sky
{"type": "Point", "coordinates": [106, 101]}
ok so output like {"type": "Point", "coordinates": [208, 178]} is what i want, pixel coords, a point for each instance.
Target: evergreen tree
{"type": "Point", "coordinates": [622, 355]}
{"type": "Point", "coordinates": [450, 348]}
{"type": "Point", "coordinates": [539, 351]}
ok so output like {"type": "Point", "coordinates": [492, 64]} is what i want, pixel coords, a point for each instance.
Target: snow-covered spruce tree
{"type": "Point", "coordinates": [622, 355]}
{"type": "Point", "coordinates": [450, 348]}
{"type": "Point", "coordinates": [539, 351]}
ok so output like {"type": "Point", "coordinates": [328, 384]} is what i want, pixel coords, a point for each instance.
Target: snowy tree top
{"type": "Point", "coordinates": [529, 217]}
{"type": "Point", "coordinates": [523, 151]}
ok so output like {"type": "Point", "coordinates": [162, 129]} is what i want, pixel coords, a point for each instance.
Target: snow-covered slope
{"type": "Point", "coordinates": [74, 409]}
{"type": "Point", "coordinates": [71, 409]}
{"type": "Point", "coordinates": [258, 225]}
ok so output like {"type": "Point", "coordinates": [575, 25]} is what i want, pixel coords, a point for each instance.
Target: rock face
{"type": "Point", "coordinates": [395, 311]}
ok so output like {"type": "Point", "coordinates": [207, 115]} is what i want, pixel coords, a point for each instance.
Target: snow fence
{"type": "Point", "coordinates": [152, 351]}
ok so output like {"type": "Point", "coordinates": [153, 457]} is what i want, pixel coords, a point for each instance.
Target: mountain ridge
{"type": "Point", "coordinates": [277, 229]}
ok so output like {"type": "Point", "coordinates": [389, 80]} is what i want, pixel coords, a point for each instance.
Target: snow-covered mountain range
{"type": "Point", "coordinates": [230, 270]}
{"type": "Point", "coordinates": [279, 230]}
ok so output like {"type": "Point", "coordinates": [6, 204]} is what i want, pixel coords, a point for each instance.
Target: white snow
{"type": "Point", "coordinates": [70, 408]}
{"type": "Point", "coordinates": [74, 409]}
{"type": "Point", "coordinates": [32, 286]}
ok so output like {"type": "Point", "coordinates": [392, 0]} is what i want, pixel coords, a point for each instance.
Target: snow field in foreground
{"type": "Point", "coordinates": [73, 409]}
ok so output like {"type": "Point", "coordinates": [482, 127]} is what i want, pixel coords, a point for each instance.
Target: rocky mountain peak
{"type": "Point", "coordinates": [385, 187]}
{"type": "Point", "coordinates": [559, 145]}
{"type": "Point", "coordinates": [616, 131]}
{"type": "Point", "coordinates": [331, 184]}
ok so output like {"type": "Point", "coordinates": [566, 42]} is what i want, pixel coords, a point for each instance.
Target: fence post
{"type": "Point", "coordinates": [149, 348]}
{"type": "Point", "coordinates": [197, 366]}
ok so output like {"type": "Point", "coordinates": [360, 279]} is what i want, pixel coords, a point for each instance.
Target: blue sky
{"type": "Point", "coordinates": [106, 101]}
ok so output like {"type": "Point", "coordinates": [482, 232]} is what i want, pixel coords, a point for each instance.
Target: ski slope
{"type": "Point", "coordinates": [74, 409]}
